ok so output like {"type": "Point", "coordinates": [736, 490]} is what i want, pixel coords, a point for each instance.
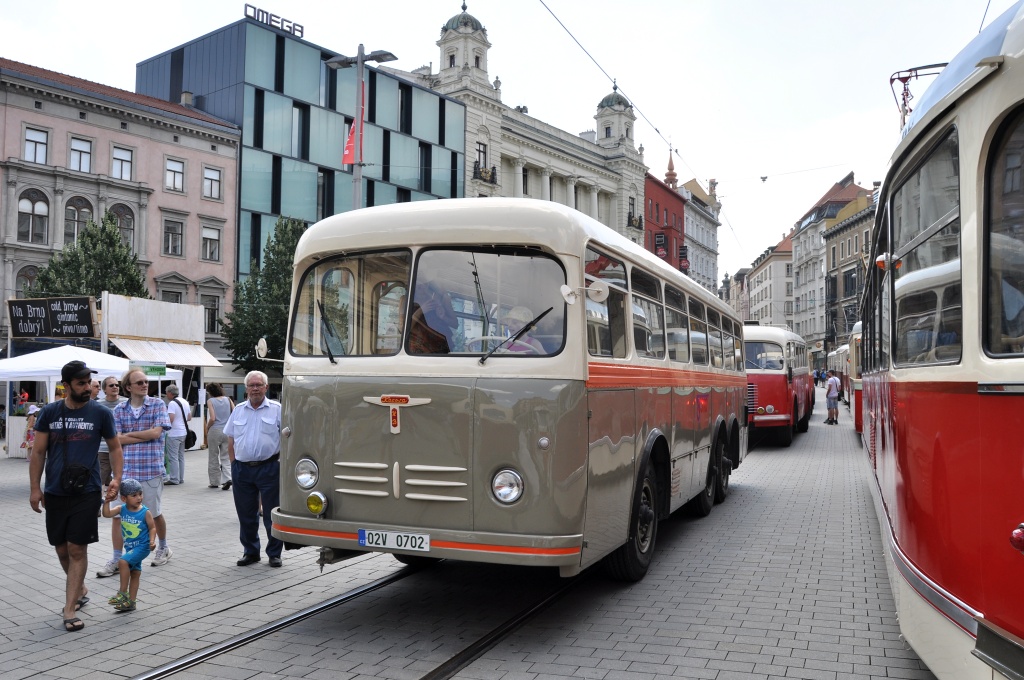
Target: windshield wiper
{"type": "Point", "coordinates": [326, 330]}
{"type": "Point", "coordinates": [520, 333]}
{"type": "Point", "coordinates": [480, 295]}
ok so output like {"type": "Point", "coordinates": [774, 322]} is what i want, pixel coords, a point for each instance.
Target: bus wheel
{"type": "Point", "coordinates": [803, 423]}
{"type": "Point", "coordinates": [724, 470]}
{"type": "Point", "coordinates": [701, 505]}
{"type": "Point", "coordinates": [418, 561]}
{"type": "Point", "coordinates": [631, 560]}
{"type": "Point", "coordinates": [786, 433]}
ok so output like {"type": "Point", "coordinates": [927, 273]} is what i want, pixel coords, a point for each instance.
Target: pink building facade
{"type": "Point", "coordinates": [71, 150]}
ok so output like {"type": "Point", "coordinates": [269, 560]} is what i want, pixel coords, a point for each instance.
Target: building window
{"type": "Point", "coordinates": [211, 313]}
{"type": "Point", "coordinates": [76, 215]}
{"type": "Point", "coordinates": [125, 223]}
{"type": "Point", "coordinates": [33, 214]}
{"type": "Point", "coordinates": [121, 167]}
{"type": "Point", "coordinates": [526, 181]}
{"type": "Point", "coordinates": [171, 296]}
{"type": "Point", "coordinates": [172, 237]}
{"type": "Point", "coordinates": [481, 155]}
{"type": "Point", "coordinates": [211, 244]}
{"type": "Point", "coordinates": [211, 183]}
{"type": "Point", "coordinates": [451, 60]}
{"type": "Point", "coordinates": [25, 281]}
{"type": "Point", "coordinates": [476, 61]}
{"type": "Point", "coordinates": [175, 175]}
{"type": "Point", "coordinates": [833, 252]}
{"type": "Point", "coordinates": [35, 146]}
{"type": "Point", "coordinates": [81, 155]}
{"type": "Point", "coordinates": [842, 251]}
{"type": "Point", "coordinates": [607, 131]}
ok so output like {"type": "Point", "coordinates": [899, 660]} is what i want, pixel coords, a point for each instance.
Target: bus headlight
{"type": "Point", "coordinates": [306, 473]}
{"type": "Point", "coordinates": [769, 408]}
{"type": "Point", "coordinates": [316, 503]}
{"type": "Point", "coordinates": [507, 486]}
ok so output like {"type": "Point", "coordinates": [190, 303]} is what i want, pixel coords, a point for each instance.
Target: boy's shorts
{"type": "Point", "coordinates": [136, 556]}
{"type": "Point", "coordinates": [72, 519]}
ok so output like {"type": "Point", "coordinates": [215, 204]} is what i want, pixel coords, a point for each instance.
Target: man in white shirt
{"type": "Point", "coordinates": [179, 411]}
{"type": "Point", "coordinates": [832, 398]}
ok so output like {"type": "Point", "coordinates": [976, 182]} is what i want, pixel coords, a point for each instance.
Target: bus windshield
{"type": "Point", "coordinates": [453, 301]}
{"type": "Point", "coordinates": [764, 356]}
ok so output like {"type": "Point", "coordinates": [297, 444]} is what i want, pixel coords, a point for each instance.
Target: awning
{"type": "Point", "coordinates": [173, 353]}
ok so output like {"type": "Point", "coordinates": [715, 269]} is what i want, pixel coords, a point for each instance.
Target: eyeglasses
{"type": "Point", "coordinates": [109, 385]}
{"type": "Point", "coordinates": [140, 383]}
{"type": "Point", "coordinates": [257, 385]}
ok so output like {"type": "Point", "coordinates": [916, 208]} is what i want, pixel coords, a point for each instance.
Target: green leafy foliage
{"type": "Point", "coordinates": [260, 307]}
{"type": "Point", "coordinates": [99, 260]}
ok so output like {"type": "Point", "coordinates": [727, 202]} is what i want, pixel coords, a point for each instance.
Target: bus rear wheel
{"type": "Point", "coordinates": [631, 560]}
{"type": "Point", "coordinates": [724, 470]}
{"type": "Point", "coordinates": [700, 506]}
{"type": "Point", "coordinates": [803, 423]}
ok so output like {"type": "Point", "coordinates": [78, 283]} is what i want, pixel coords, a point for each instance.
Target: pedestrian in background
{"type": "Point", "coordinates": [179, 411]}
{"type": "Point", "coordinates": [30, 429]}
{"type": "Point", "coordinates": [95, 387]}
{"type": "Point", "coordinates": [67, 448]}
{"type": "Point", "coordinates": [218, 410]}
{"type": "Point", "coordinates": [138, 535]}
{"type": "Point", "coordinates": [832, 398]}
{"type": "Point", "coordinates": [110, 398]}
{"type": "Point", "coordinates": [140, 421]}
{"type": "Point", "coordinates": [254, 446]}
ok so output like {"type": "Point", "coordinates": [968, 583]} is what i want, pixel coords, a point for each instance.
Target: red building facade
{"type": "Point", "coordinates": [663, 218]}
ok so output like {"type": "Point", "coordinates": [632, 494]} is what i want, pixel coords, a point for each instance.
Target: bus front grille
{"type": "Point", "coordinates": [436, 483]}
{"type": "Point", "coordinates": [751, 397]}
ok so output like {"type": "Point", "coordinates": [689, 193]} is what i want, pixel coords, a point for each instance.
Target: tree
{"type": "Point", "coordinates": [98, 260]}
{"type": "Point", "coordinates": [260, 308]}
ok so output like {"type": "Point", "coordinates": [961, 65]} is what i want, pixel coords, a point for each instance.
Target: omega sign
{"type": "Point", "coordinates": [265, 17]}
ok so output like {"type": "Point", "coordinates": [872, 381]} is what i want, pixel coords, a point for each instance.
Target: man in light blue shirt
{"type": "Point", "coordinates": [254, 445]}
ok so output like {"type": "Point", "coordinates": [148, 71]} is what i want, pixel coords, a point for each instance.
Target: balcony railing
{"type": "Point", "coordinates": [635, 221]}
{"type": "Point", "coordinates": [485, 174]}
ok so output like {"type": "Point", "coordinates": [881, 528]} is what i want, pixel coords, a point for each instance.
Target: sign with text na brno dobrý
{"type": "Point", "coordinates": [66, 317]}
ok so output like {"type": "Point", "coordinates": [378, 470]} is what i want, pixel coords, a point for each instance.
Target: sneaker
{"type": "Point", "coordinates": [116, 599]}
{"type": "Point", "coordinates": [125, 605]}
{"type": "Point", "coordinates": [161, 557]}
{"type": "Point", "coordinates": [108, 569]}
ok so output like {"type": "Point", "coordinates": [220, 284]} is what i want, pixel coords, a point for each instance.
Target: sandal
{"type": "Point", "coordinates": [82, 601]}
{"type": "Point", "coordinates": [118, 598]}
{"type": "Point", "coordinates": [72, 625]}
{"type": "Point", "coordinates": [125, 605]}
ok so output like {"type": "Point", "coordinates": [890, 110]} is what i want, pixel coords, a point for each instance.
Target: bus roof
{"type": "Point", "coordinates": [770, 334]}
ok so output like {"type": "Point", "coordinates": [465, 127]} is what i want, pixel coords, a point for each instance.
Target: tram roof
{"type": "Point", "coordinates": [475, 221]}
{"type": "Point", "coordinates": [997, 39]}
{"type": "Point", "coordinates": [760, 333]}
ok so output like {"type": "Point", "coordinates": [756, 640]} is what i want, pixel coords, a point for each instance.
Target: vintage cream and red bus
{"type": "Point", "coordinates": [943, 363]}
{"type": "Point", "coordinates": [839, 361]}
{"type": "Point", "coordinates": [856, 387]}
{"type": "Point", "coordinates": [500, 381]}
{"type": "Point", "coordinates": [780, 387]}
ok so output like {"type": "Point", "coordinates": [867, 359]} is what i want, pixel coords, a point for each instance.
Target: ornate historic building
{"type": "Point", "coordinates": [510, 153]}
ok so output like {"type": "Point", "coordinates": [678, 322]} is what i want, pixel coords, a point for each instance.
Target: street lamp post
{"type": "Point", "coordinates": [342, 61]}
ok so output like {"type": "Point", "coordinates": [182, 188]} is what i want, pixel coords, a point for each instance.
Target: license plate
{"type": "Point", "coordinates": [396, 540]}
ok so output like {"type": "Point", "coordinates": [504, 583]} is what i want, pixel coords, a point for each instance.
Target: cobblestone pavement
{"type": "Point", "coordinates": [786, 579]}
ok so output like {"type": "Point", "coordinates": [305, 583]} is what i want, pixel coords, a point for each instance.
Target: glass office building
{"type": "Point", "coordinates": [295, 113]}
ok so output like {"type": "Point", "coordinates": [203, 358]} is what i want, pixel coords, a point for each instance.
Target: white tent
{"type": "Point", "coordinates": [45, 367]}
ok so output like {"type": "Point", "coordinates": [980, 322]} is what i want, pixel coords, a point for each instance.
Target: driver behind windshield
{"type": "Point", "coordinates": [433, 321]}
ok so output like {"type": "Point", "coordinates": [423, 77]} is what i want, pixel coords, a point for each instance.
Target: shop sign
{"type": "Point", "coordinates": [68, 317]}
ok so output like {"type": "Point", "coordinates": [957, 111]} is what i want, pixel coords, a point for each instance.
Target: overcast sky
{"type": "Point", "coordinates": [794, 90]}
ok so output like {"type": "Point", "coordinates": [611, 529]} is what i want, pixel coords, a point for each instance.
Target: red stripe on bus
{"type": "Point", "coordinates": [454, 545]}
{"type": "Point", "coordinates": [630, 375]}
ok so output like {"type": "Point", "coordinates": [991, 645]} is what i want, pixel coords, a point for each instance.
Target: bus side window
{"type": "Point", "coordinates": [606, 325]}
{"type": "Point", "coordinates": [389, 307]}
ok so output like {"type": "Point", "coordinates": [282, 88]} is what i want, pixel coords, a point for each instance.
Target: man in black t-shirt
{"type": "Point", "coordinates": [68, 434]}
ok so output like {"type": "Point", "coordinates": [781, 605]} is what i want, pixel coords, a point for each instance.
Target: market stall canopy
{"type": "Point", "coordinates": [45, 366]}
{"type": "Point", "coordinates": [176, 353]}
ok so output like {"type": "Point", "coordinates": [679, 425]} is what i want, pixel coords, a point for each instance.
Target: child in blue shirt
{"type": "Point", "coordinates": [139, 532]}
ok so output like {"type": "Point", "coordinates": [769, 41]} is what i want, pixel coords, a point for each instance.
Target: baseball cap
{"type": "Point", "coordinates": [75, 369]}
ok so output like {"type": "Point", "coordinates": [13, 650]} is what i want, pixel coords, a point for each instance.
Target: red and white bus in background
{"type": "Point", "coordinates": [780, 388]}
{"type": "Point", "coordinates": [856, 384]}
{"type": "Point", "coordinates": [943, 363]}
{"type": "Point", "coordinates": [839, 361]}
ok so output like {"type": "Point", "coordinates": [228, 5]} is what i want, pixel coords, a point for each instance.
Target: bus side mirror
{"type": "Point", "coordinates": [596, 291]}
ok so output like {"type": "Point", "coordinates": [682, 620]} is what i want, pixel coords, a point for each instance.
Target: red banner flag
{"type": "Point", "coordinates": [348, 157]}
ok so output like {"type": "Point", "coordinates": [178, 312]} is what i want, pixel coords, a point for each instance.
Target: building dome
{"type": "Point", "coordinates": [614, 99]}
{"type": "Point", "coordinates": [463, 19]}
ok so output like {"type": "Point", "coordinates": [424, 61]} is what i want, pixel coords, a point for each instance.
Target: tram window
{"type": "Point", "coordinates": [727, 348]}
{"type": "Point", "coordinates": [606, 325]}
{"type": "Point", "coordinates": [607, 269]}
{"type": "Point", "coordinates": [1004, 282]}
{"type": "Point", "coordinates": [675, 298]}
{"type": "Point", "coordinates": [715, 344]}
{"type": "Point", "coordinates": [645, 284]}
{"type": "Point", "coordinates": [678, 334]}
{"type": "Point", "coordinates": [346, 305]}
{"type": "Point", "coordinates": [930, 198]}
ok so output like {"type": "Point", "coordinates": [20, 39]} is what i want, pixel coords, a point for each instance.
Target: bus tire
{"type": "Point", "coordinates": [417, 561]}
{"type": "Point", "coordinates": [631, 560]}
{"type": "Point", "coordinates": [786, 433]}
{"type": "Point", "coordinates": [724, 469]}
{"type": "Point", "coordinates": [803, 423]}
{"type": "Point", "coordinates": [700, 505]}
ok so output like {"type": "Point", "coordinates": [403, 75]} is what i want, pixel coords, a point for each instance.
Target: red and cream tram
{"type": "Point", "coordinates": [943, 363]}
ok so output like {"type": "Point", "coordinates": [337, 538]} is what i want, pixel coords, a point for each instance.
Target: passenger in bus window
{"type": "Point", "coordinates": [514, 320]}
{"type": "Point", "coordinates": [433, 321]}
